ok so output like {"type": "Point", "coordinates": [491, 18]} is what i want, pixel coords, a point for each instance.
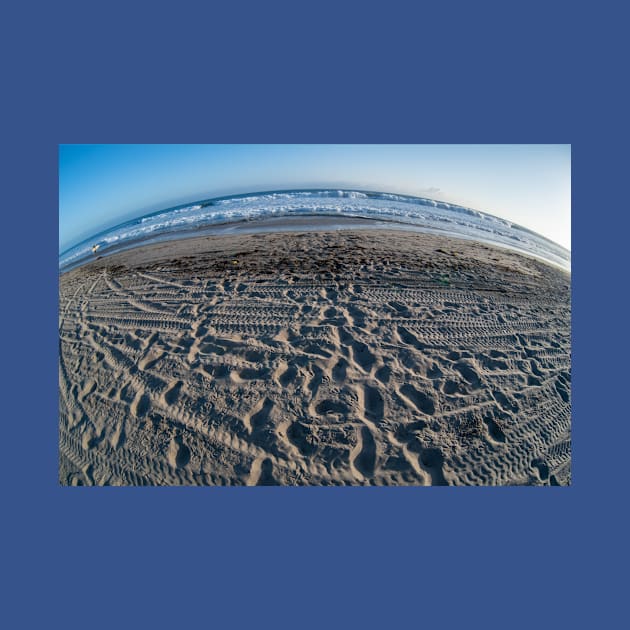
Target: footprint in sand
{"type": "Point", "coordinates": [432, 461]}
{"type": "Point", "coordinates": [327, 406]}
{"type": "Point", "coordinates": [252, 374]}
{"type": "Point", "coordinates": [373, 401]}
{"type": "Point", "coordinates": [469, 374]}
{"type": "Point", "coordinates": [507, 404]}
{"type": "Point", "coordinates": [302, 438]}
{"type": "Point", "coordinates": [421, 401]}
{"type": "Point", "coordinates": [178, 454]}
{"type": "Point", "coordinates": [172, 393]}
{"type": "Point", "coordinates": [362, 355]}
{"type": "Point", "coordinates": [363, 455]}
{"type": "Point", "coordinates": [255, 356]}
{"type": "Point", "coordinates": [258, 416]}
{"type": "Point", "coordinates": [494, 429]}
{"type": "Point", "coordinates": [383, 374]}
{"type": "Point", "coordinates": [261, 473]}
{"type": "Point", "coordinates": [339, 371]}
{"type": "Point", "coordinates": [284, 376]}
{"type": "Point", "coordinates": [542, 468]}
{"type": "Point", "coordinates": [408, 338]}
{"type": "Point", "coordinates": [140, 404]}
{"type": "Point", "coordinates": [314, 382]}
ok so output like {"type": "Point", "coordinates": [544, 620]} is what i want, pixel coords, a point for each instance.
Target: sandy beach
{"type": "Point", "coordinates": [315, 358]}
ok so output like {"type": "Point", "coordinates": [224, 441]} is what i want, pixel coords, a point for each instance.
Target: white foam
{"type": "Point", "coordinates": [418, 212]}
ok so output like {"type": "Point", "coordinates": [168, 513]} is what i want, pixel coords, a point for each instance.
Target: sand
{"type": "Point", "coordinates": [319, 358]}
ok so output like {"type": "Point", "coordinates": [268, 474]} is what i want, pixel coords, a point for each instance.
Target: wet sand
{"type": "Point", "coordinates": [316, 358]}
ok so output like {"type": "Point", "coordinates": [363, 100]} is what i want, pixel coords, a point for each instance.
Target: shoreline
{"type": "Point", "coordinates": [310, 223]}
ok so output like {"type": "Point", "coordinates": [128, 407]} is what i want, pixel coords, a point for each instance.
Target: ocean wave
{"type": "Point", "coordinates": [417, 212]}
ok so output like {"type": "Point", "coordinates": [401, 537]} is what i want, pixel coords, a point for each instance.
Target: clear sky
{"type": "Point", "coordinates": [103, 185]}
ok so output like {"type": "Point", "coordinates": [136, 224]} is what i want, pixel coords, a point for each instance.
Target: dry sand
{"type": "Point", "coordinates": [320, 358]}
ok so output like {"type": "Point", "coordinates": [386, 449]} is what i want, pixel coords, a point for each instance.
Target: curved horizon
{"type": "Point", "coordinates": [101, 186]}
{"type": "Point", "coordinates": [103, 230]}
{"type": "Point", "coordinates": [250, 210]}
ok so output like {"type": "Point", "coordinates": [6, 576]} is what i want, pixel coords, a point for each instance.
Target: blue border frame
{"type": "Point", "coordinates": [311, 558]}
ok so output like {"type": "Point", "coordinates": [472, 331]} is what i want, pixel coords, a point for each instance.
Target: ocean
{"type": "Point", "coordinates": [343, 209]}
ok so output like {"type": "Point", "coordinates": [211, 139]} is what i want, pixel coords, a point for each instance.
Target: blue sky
{"type": "Point", "coordinates": [103, 185]}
